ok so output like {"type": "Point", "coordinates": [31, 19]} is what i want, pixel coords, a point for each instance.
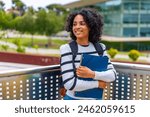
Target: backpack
{"type": "Point", "coordinates": [74, 49]}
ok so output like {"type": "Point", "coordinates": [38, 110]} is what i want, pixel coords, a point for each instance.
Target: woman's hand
{"type": "Point", "coordinates": [85, 72]}
{"type": "Point", "coordinates": [102, 84]}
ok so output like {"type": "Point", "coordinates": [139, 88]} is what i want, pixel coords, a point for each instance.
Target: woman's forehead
{"type": "Point", "coordinates": [78, 18]}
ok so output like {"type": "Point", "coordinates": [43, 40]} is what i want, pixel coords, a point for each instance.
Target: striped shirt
{"type": "Point", "coordinates": [68, 71]}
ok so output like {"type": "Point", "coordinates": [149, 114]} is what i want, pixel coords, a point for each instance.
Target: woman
{"type": "Point", "coordinates": [85, 27]}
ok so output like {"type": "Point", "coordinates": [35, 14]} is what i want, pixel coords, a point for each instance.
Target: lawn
{"type": "Point", "coordinates": [42, 43]}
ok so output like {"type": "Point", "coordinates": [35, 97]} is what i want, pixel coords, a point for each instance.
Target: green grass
{"type": "Point", "coordinates": [9, 49]}
{"type": "Point", "coordinates": [42, 43]}
{"type": "Point", "coordinates": [128, 60]}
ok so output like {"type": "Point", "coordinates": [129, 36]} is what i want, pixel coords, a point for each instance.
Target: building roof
{"type": "Point", "coordinates": [82, 3]}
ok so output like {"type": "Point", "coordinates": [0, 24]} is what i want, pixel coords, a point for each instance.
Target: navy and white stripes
{"type": "Point", "coordinates": [71, 82]}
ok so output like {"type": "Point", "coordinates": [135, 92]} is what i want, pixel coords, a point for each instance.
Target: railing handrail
{"type": "Point", "coordinates": [132, 66]}
{"type": "Point", "coordinates": [9, 73]}
{"type": "Point", "coordinates": [57, 67]}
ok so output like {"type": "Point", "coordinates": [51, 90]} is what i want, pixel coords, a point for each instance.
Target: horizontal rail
{"type": "Point", "coordinates": [29, 70]}
{"type": "Point", "coordinates": [132, 66]}
{"type": "Point", "coordinates": [57, 67]}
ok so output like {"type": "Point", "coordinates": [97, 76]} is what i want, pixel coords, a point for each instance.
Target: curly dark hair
{"type": "Point", "coordinates": [92, 18]}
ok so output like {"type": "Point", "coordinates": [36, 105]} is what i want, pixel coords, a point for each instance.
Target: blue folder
{"type": "Point", "coordinates": [95, 63]}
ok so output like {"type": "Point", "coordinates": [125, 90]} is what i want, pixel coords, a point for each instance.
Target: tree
{"type": "Point", "coordinates": [29, 24]}
{"type": "Point", "coordinates": [5, 21]}
{"type": "Point", "coordinates": [54, 24]}
{"type": "Point", "coordinates": [19, 5]}
{"type": "Point", "coordinates": [41, 21]}
{"type": "Point", "coordinates": [59, 9]}
{"type": "Point", "coordinates": [2, 4]}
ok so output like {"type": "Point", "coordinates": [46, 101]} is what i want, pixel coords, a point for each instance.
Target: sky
{"type": "Point", "coordinates": [38, 3]}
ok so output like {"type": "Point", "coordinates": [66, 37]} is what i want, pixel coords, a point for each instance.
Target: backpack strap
{"type": "Point", "coordinates": [98, 48]}
{"type": "Point", "coordinates": [74, 49]}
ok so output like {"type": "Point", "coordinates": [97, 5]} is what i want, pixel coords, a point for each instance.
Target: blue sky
{"type": "Point", "coordinates": [38, 3]}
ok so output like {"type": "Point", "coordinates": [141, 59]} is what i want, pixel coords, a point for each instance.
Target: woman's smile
{"type": "Point", "coordinates": [80, 28]}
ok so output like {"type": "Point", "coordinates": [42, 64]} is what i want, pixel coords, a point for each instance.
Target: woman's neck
{"type": "Point", "coordinates": [82, 41]}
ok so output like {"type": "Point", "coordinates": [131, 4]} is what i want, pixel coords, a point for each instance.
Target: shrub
{"type": "Point", "coordinates": [134, 55]}
{"type": "Point", "coordinates": [5, 47]}
{"type": "Point", "coordinates": [17, 42]}
{"type": "Point", "coordinates": [112, 52]}
{"type": "Point", "coordinates": [36, 47]}
{"type": "Point", "coordinates": [20, 49]}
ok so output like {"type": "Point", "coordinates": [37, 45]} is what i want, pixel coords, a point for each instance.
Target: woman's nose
{"type": "Point", "coordinates": [78, 26]}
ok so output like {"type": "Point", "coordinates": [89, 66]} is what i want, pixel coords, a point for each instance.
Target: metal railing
{"type": "Point", "coordinates": [40, 83]}
{"type": "Point", "coordinates": [132, 83]}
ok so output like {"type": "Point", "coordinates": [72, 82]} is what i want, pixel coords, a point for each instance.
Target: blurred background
{"type": "Point", "coordinates": [37, 28]}
{"type": "Point", "coordinates": [31, 32]}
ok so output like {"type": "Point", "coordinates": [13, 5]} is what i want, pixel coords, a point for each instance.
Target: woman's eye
{"type": "Point", "coordinates": [82, 23]}
{"type": "Point", "coordinates": [74, 24]}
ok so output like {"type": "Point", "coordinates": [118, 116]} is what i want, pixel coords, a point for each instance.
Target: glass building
{"type": "Point", "coordinates": [125, 18]}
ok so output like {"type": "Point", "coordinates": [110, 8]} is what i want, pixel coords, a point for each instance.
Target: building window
{"type": "Point", "coordinates": [145, 6]}
{"type": "Point", "coordinates": [131, 6]}
{"type": "Point", "coordinates": [130, 18]}
{"type": "Point", "coordinates": [145, 18]}
{"type": "Point", "coordinates": [130, 32]}
{"type": "Point", "coordinates": [145, 32]}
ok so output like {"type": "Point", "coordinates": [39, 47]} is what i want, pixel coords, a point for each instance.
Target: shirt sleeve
{"type": "Point", "coordinates": [70, 81]}
{"type": "Point", "coordinates": [109, 75]}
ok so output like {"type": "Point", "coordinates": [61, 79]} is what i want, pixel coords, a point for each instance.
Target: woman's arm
{"type": "Point", "coordinates": [70, 81]}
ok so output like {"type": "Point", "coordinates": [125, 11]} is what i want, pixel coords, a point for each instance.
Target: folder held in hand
{"type": "Point", "coordinates": [95, 63]}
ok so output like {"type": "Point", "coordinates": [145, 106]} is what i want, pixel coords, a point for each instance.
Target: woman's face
{"type": "Point", "coordinates": [80, 28]}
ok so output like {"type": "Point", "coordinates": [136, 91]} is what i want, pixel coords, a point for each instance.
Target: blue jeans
{"type": "Point", "coordinates": [69, 98]}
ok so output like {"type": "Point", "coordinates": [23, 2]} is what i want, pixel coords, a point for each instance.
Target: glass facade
{"type": "Point", "coordinates": [145, 32]}
{"type": "Point", "coordinates": [128, 18]}
{"type": "Point", "coordinates": [130, 32]}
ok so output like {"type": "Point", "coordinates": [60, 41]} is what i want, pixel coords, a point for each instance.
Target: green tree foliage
{"type": "Point", "coordinates": [18, 24]}
{"type": "Point", "coordinates": [41, 21]}
{"type": "Point", "coordinates": [2, 4]}
{"type": "Point", "coordinates": [3, 20]}
{"type": "Point", "coordinates": [58, 9]}
{"type": "Point", "coordinates": [112, 52]}
{"type": "Point", "coordinates": [19, 5]}
{"type": "Point", "coordinates": [134, 55]}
